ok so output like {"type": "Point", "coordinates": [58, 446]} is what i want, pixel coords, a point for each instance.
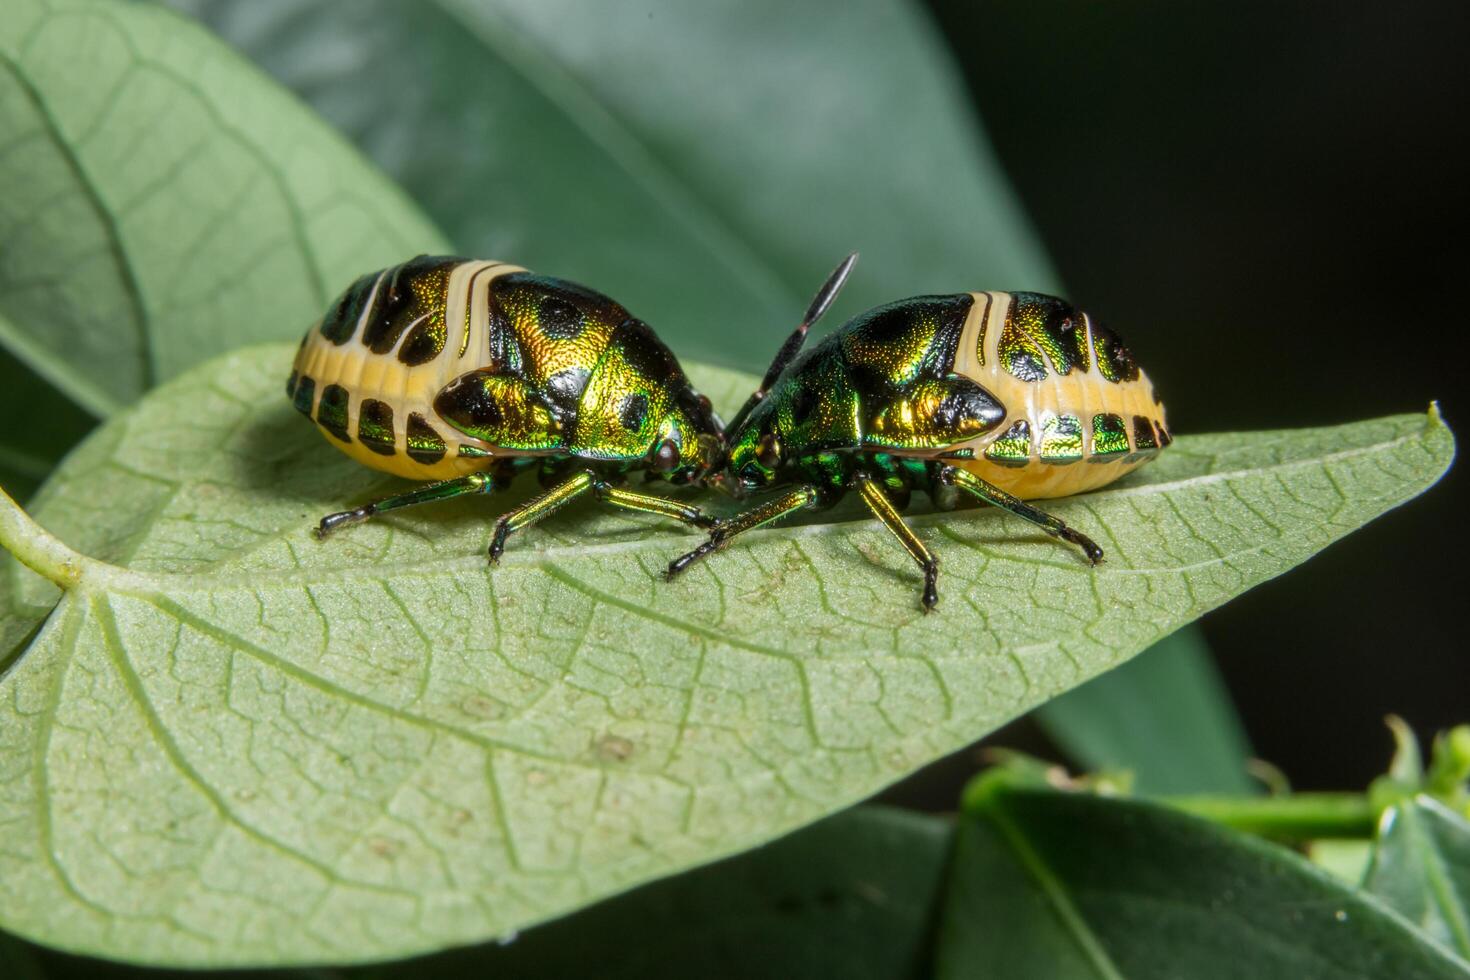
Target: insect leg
{"type": "Point", "coordinates": [992, 494]}
{"type": "Point", "coordinates": [443, 490]}
{"type": "Point", "coordinates": [649, 504]}
{"type": "Point", "coordinates": [720, 535]}
{"type": "Point", "coordinates": [884, 510]}
{"type": "Point", "coordinates": [538, 508]}
{"type": "Point", "coordinates": [579, 483]}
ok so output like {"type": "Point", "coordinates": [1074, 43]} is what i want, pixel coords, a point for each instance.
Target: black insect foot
{"type": "Point", "coordinates": [332, 522]}
{"type": "Point", "coordinates": [677, 566]}
{"type": "Point", "coordinates": [931, 588]}
{"type": "Point", "coordinates": [497, 543]}
{"type": "Point", "coordinates": [1089, 547]}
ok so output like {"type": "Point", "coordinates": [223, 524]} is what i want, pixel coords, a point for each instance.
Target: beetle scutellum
{"type": "Point", "coordinates": [466, 372]}
{"type": "Point", "coordinates": [1005, 396]}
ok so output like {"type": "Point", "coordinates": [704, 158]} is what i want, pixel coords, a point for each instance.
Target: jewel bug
{"type": "Point", "coordinates": [1000, 396]}
{"type": "Point", "coordinates": [466, 372]}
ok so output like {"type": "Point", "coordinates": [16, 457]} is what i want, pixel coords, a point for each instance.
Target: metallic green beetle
{"type": "Point", "coordinates": [467, 372]}
{"type": "Point", "coordinates": [1004, 396]}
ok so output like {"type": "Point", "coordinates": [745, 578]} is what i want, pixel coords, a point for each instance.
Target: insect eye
{"type": "Point", "coordinates": [665, 457]}
{"type": "Point", "coordinates": [768, 452]}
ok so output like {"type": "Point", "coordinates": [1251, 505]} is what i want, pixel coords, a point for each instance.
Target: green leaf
{"type": "Point", "coordinates": [161, 201]}
{"type": "Point", "coordinates": [1063, 886]}
{"type": "Point", "coordinates": [1345, 860]}
{"type": "Point", "coordinates": [231, 743]}
{"type": "Point", "coordinates": [1159, 715]}
{"type": "Point", "coordinates": [1421, 867]}
{"type": "Point", "coordinates": [542, 130]}
{"type": "Point", "coordinates": [852, 896]}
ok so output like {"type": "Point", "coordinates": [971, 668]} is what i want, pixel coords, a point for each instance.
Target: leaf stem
{"type": "Point", "coordinates": [37, 548]}
{"type": "Point", "coordinates": [1295, 817]}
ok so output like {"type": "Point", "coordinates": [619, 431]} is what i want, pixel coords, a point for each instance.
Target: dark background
{"type": "Point", "coordinates": [1268, 200]}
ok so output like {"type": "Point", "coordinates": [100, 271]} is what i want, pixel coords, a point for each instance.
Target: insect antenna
{"type": "Point", "coordinates": [792, 347]}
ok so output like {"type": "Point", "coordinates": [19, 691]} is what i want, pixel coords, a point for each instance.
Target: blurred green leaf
{"type": "Point", "coordinates": [1159, 715]}
{"type": "Point", "coordinates": [1064, 886]}
{"type": "Point", "coordinates": [1345, 860]}
{"type": "Point", "coordinates": [707, 164]}
{"type": "Point", "coordinates": [376, 745]}
{"type": "Point", "coordinates": [160, 202]}
{"type": "Point", "coordinates": [45, 425]}
{"type": "Point", "coordinates": [1421, 868]}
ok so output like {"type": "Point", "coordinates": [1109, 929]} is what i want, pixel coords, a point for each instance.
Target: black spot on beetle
{"type": "Point", "coordinates": [558, 318]}
{"type": "Point", "coordinates": [804, 403]}
{"type": "Point", "coordinates": [305, 395]}
{"type": "Point", "coordinates": [967, 402]}
{"type": "Point", "coordinates": [1026, 366]}
{"type": "Point", "coordinates": [423, 343]}
{"type": "Point", "coordinates": [632, 411]}
{"type": "Point", "coordinates": [340, 324]}
{"type": "Point", "coordinates": [468, 404]}
{"type": "Point", "coordinates": [331, 411]}
{"type": "Point", "coordinates": [1143, 433]}
{"type": "Point", "coordinates": [644, 352]}
{"type": "Point", "coordinates": [375, 426]}
{"type": "Point", "coordinates": [565, 387]}
{"type": "Point", "coordinates": [1114, 361]}
{"type": "Point", "coordinates": [425, 445]}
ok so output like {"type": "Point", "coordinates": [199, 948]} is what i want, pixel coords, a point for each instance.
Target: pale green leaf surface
{"type": "Point", "coordinates": [853, 896]}
{"type": "Point", "coordinates": [1421, 867]}
{"type": "Point", "coordinates": [161, 201]}
{"type": "Point", "coordinates": [732, 152]}
{"type": "Point", "coordinates": [1044, 884]}
{"type": "Point", "coordinates": [1159, 716]}
{"type": "Point", "coordinates": [238, 744]}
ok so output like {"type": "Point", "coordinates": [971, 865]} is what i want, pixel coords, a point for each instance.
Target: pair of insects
{"type": "Point", "coordinates": [467, 372]}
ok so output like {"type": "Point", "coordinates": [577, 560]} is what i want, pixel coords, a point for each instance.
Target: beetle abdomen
{"type": "Point", "coordinates": [368, 373]}
{"type": "Point", "coordinates": [1080, 413]}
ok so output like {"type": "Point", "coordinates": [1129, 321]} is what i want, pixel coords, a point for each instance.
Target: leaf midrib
{"type": "Point", "coordinates": [1456, 919]}
{"type": "Point", "coordinates": [1055, 890]}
